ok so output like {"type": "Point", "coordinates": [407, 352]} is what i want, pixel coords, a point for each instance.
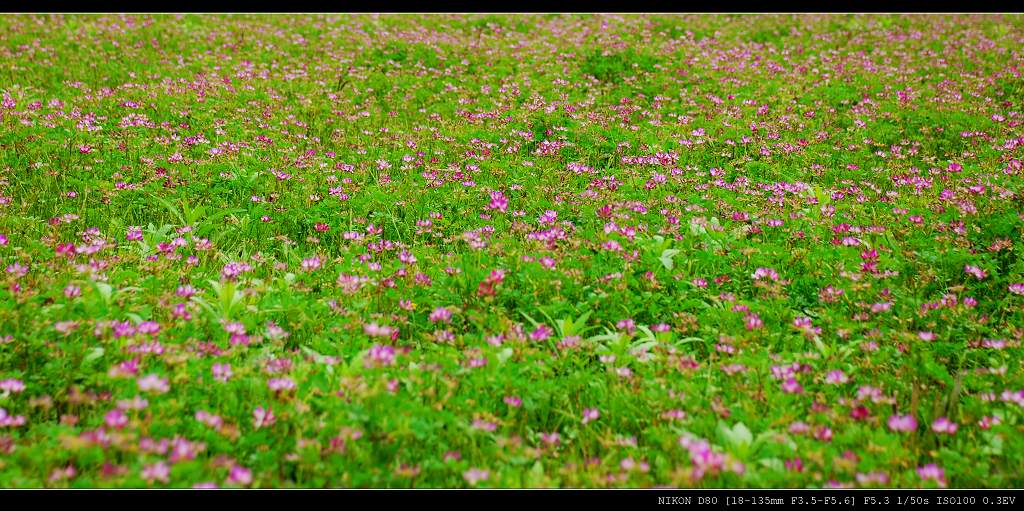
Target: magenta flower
{"type": "Point", "coordinates": [9, 421]}
{"type": "Point", "coordinates": [263, 417]}
{"type": "Point", "coordinates": [931, 472]}
{"type": "Point", "coordinates": [880, 478]}
{"type": "Point", "coordinates": [133, 234]}
{"type": "Point", "coordinates": [799, 428]}
{"type": "Point", "coordinates": [791, 386]}
{"type": "Point", "coordinates": [549, 217]}
{"type": "Point", "coordinates": [211, 420]}
{"type": "Point", "coordinates": [765, 273]}
{"type": "Point", "coordinates": [61, 474]}
{"type": "Point", "coordinates": [440, 314]}
{"type": "Point", "coordinates": [541, 333]}
{"type": "Point", "coordinates": [977, 272]}
{"type": "Point", "coordinates": [115, 419]}
{"type": "Point", "coordinates": [240, 476]}
{"type": "Point", "coordinates": [475, 475]}
{"type": "Point", "coordinates": [823, 433]}
{"type": "Point", "coordinates": [590, 414]}
{"type": "Point", "coordinates": [836, 377]}
{"type": "Point", "coordinates": [1017, 288]}
{"type": "Point", "coordinates": [705, 460]}
{"type": "Point", "coordinates": [233, 270]}
{"type": "Point", "coordinates": [311, 264]}
{"type": "Point", "coordinates": [375, 330]}
{"type": "Point", "coordinates": [281, 384]}
{"type": "Point", "coordinates": [484, 425]}
{"type": "Point", "coordinates": [221, 372]}
{"type": "Point", "coordinates": [12, 386]}
{"type": "Point", "coordinates": [65, 327]}
{"type": "Point", "coordinates": [753, 321]}
{"type": "Point", "coordinates": [902, 423]}
{"type": "Point", "coordinates": [513, 401]}
{"type": "Point", "coordinates": [153, 383]}
{"type": "Point", "coordinates": [626, 324]}
{"type": "Point", "coordinates": [379, 356]}
{"type": "Point", "coordinates": [157, 472]}
{"type": "Point", "coordinates": [987, 422]}
{"type": "Point", "coordinates": [944, 425]}
{"type": "Point", "coordinates": [550, 438]}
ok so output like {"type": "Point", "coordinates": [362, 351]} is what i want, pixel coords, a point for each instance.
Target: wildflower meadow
{"type": "Point", "coordinates": [515, 251]}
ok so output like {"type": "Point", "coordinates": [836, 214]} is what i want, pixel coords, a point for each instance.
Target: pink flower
{"type": "Point", "coordinates": [375, 330]}
{"type": "Point", "coordinates": [626, 324]}
{"type": "Point", "coordinates": [213, 421]}
{"type": "Point", "coordinates": [232, 270]}
{"type": "Point", "coordinates": [762, 273]}
{"type": "Point", "coordinates": [550, 438]}
{"type": "Point", "coordinates": [475, 475]}
{"type": "Point", "coordinates": [836, 377]}
{"type": "Point", "coordinates": [872, 478]}
{"type": "Point", "coordinates": [441, 314]}
{"type": "Point", "coordinates": [791, 386]}
{"type": "Point", "coordinates": [12, 385]}
{"type": "Point", "coordinates": [549, 217]}
{"type": "Point", "coordinates": [753, 321]}
{"type": "Point", "coordinates": [115, 419]}
{"type": "Point", "coordinates": [484, 425]}
{"type": "Point", "coordinates": [977, 272]}
{"type": "Point", "coordinates": [60, 474]}
{"type": "Point", "coordinates": [931, 472]}
{"type": "Point", "coordinates": [65, 327]}
{"type": "Point", "coordinates": [157, 472]}
{"type": "Point", "coordinates": [263, 417]}
{"type": "Point", "coordinates": [1017, 288]}
{"type": "Point", "coordinates": [590, 414]}
{"type": "Point", "coordinates": [540, 333]}
{"type": "Point", "coordinates": [902, 423]}
{"type": "Point", "coordinates": [944, 425]}
{"type": "Point", "coordinates": [513, 401]}
{"type": "Point", "coordinates": [705, 460]}
{"type": "Point", "coordinates": [240, 475]}
{"type": "Point", "coordinates": [823, 433]}
{"type": "Point", "coordinates": [987, 422]}
{"type": "Point", "coordinates": [380, 356]}
{"type": "Point", "coordinates": [153, 383]}
{"type": "Point", "coordinates": [221, 372]}
{"type": "Point", "coordinates": [311, 264]}
{"type": "Point", "coordinates": [7, 421]}
{"type": "Point", "coordinates": [799, 428]}
{"type": "Point", "coordinates": [133, 234]}
{"type": "Point", "coordinates": [280, 384]}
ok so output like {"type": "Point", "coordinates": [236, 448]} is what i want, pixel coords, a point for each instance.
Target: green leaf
{"type": "Point", "coordinates": [94, 354]}
{"type": "Point", "coordinates": [666, 257]}
{"type": "Point", "coordinates": [105, 290]}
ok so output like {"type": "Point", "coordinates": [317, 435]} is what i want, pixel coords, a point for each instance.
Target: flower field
{"type": "Point", "coordinates": [415, 251]}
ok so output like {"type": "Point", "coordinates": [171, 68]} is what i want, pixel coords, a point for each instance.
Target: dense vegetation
{"type": "Point", "coordinates": [514, 251]}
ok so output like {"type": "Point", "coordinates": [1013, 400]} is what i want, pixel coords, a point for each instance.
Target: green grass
{"type": "Point", "coordinates": [690, 224]}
